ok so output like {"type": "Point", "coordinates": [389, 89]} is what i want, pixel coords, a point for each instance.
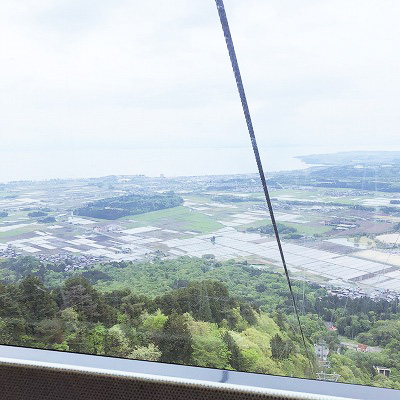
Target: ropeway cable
{"type": "Point", "coordinates": [246, 111]}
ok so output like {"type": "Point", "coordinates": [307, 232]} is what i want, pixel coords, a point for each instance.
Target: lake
{"type": "Point", "coordinates": [40, 165]}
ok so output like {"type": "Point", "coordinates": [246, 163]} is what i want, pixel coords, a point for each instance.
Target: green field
{"type": "Point", "coordinates": [314, 195]}
{"type": "Point", "coordinates": [206, 198]}
{"type": "Point", "coordinates": [363, 240]}
{"type": "Point", "coordinates": [304, 229]}
{"type": "Point", "coordinates": [177, 218]}
{"type": "Point", "coordinates": [5, 236]}
{"type": "Point", "coordinates": [13, 215]}
{"type": "Point", "coordinates": [307, 229]}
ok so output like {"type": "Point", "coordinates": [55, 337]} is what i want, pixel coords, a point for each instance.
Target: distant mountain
{"type": "Point", "coordinates": [353, 158]}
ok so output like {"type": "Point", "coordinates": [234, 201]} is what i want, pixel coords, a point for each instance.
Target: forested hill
{"type": "Point", "coordinates": [201, 324]}
{"type": "Point", "coordinates": [196, 311]}
{"type": "Point", "coordinates": [131, 204]}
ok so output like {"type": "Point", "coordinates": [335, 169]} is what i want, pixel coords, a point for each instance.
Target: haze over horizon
{"type": "Point", "coordinates": [99, 77]}
{"type": "Point", "coordinates": [155, 162]}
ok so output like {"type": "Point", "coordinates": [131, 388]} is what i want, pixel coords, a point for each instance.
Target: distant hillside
{"type": "Point", "coordinates": [382, 178]}
{"type": "Point", "coordinates": [353, 158]}
{"type": "Point", "coordinates": [132, 204]}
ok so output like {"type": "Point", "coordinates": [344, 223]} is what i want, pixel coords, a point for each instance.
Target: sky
{"type": "Point", "coordinates": [129, 74]}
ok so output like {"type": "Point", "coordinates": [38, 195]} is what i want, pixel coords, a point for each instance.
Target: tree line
{"type": "Point", "coordinates": [200, 324]}
{"type": "Point", "coordinates": [131, 204]}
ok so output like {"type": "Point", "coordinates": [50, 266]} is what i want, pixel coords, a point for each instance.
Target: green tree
{"type": "Point", "coordinates": [209, 348]}
{"type": "Point", "coordinates": [148, 353]}
{"type": "Point", "coordinates": [204, 304]}
{"type": "Point", "coordinates": [25, 266]}
{"type": "Point", "coordinates": [281, 348]}
{"type": "Point", "coordinates": [151, 328]}
{"type": "Point", "coordinates": [97, 339]}
{"type": "Point", "coordinates": [70, 319]}
{"type": "Point", "coordinates": [36, 301]}
{"type": "Point", "coordinates": [235, 357]}
{"type": "Point", "coordinates": [5, 333]}
{"type": "Point", "coordinates": [116, 343]}
{"type": "Point", "coordinates": [50, 331]}
{"type": "Point", "coordinates": [176, 340]}
{"type": "Point", "coordinates": [79, 341]}
{"type": "Point", "coordinates": [91, 306]}
{"type": "Point", "coordinates": [9, 305]}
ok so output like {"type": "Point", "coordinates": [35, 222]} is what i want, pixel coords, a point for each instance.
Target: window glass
{"type": "Point", "coordinates": [132, 219]}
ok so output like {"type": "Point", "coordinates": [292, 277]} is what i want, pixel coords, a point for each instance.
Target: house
{"type": "Point", "coordinates": [362, 347]}
{"type": "Point", "coordinates": [382, 370]}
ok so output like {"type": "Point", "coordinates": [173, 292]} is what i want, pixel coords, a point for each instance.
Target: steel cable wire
{"type": "Point", "coordinates": [246, 111]}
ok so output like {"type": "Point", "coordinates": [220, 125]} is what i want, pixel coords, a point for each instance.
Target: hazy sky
{"type": "Point", "coordinates": [127, 73]}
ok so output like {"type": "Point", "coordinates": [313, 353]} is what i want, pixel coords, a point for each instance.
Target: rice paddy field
{"type": "Point", "coordinates": [207, 223]}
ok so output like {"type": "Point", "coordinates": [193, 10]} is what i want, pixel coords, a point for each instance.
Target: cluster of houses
{"type": "Point", "coordinates": [71, 261]}
{"type": "Point", "coordinates": [9, 252]}
{"type": "Point", "coordinates": [352, 293]}
{"type": "Point", "coordinates": [356, 292]}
